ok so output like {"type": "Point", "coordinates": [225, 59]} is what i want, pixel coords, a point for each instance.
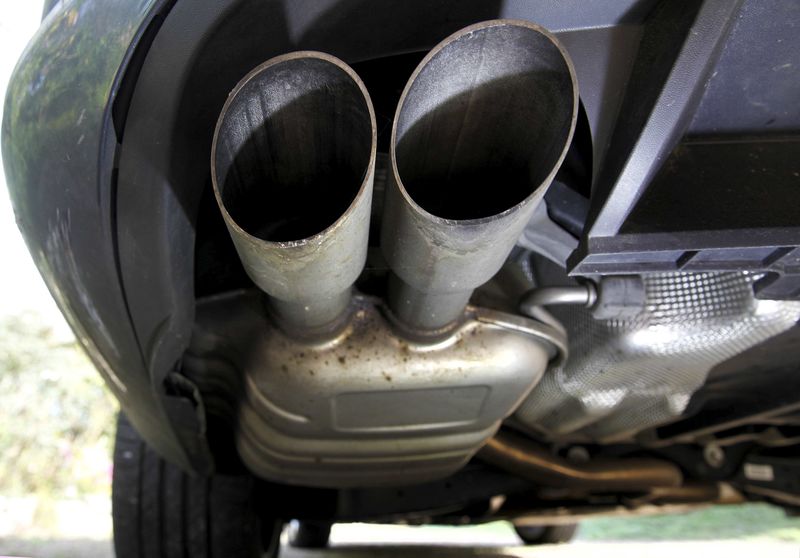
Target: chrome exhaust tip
{"type": "Point", "coordinates": [482, 126]}
{"type": "Point", "coordinates": [293, 163]}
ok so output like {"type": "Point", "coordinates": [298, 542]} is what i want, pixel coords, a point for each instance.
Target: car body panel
{"type": "Point", "coordinates": [58, 149]}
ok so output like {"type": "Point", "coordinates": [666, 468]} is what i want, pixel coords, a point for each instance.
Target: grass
{"type": "Point", "coordinates": [740, 522]}
{"type": "Point", "coordinates": [749, 522]}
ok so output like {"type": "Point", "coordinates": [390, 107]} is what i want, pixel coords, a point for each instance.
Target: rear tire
{"type": "Point", "coordinates": [309, 534]}
{"type": "Point", "coordinates": [161, 512]}
{"type": "Point", "coordinates": [545, 534]}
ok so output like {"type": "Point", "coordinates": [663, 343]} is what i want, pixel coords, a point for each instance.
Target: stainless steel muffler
{"type": "Point", "coordinates": [293, 162]}
{"type": "Point", "coordinates": [480, 131]}
{"type": "Point", "coordinates": [339, 395]}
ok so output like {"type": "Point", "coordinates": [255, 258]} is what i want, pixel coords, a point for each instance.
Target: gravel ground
{"type": "Point", "coordinates": [730, 549]}
{"type": "Point", "coordinates": [74, 548]}
{"type": "Point", "coordinates": [360, 541]}
{"type": "Point", "coordinates": [82, 529]}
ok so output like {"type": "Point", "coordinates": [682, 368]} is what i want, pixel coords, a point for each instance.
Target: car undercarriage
{"type": "Point", "coordinates": [418, 262]}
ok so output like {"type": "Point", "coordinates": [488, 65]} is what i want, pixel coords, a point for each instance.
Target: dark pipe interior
{"type": "Point", "coordinates": [484, 122]}
{"type": "Point", "coordinates": [293, 149]}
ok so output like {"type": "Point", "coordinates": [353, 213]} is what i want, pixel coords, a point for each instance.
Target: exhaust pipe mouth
{"type": "Point", "coordinates": [292, 165]}
{"type": "Point", "coordinates": [490, 110]}
{"type": "Point", "coordinates": [480, 131]}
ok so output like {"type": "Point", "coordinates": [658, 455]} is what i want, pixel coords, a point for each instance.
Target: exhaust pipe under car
{"type": "Point", "coordinates": [350, 391]}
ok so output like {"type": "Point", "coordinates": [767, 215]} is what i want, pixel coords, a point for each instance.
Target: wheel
{"type": "Point", "coordinates": [309, 534]}
{"type": "Point", "coordinates": [159, 511]}
{"type": "Point", "coordinates": [545, 534]}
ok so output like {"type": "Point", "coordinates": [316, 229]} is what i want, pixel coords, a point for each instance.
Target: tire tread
{"type": "Point", "coordinates": [161, 512]}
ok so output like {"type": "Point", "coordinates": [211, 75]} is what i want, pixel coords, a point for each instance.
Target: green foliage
{"type": "Point", "coordinates": [56, 416]}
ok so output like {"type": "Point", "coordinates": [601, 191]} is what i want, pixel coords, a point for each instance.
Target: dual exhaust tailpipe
{"type": "Point", "coordinates": [479, 133]}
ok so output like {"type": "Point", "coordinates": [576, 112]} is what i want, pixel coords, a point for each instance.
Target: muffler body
{"type": "Point", "coordinates": [368, 406]}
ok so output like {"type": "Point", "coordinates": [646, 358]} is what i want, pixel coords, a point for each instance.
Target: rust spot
{"type": "Point", "coordinates": [284, 368]}
{"type": "Point", "coordinates": [342, 360]}
{"type": "Point", "coordinates": [311, 372]}
{"type": "Point", "coordinates": [387, 376]}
